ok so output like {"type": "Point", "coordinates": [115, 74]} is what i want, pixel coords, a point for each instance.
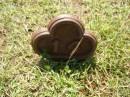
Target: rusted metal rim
{"type": "Point", "coordinates": [86, 46]}
{"type": "Point", "coordinates": [36, 40]}
{"type": "Point", "coordinates": [65, 17]}
{"type": "Point", "coordinates": [34, 34]}
{"type": "Point", "coordinates": [93, 42]}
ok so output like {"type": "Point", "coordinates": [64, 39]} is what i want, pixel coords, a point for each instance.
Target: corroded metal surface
{"type": "Point", "coordinates": [64, 38]}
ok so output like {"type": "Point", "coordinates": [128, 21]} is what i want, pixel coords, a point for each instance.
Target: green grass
{"type": "Point", "coordinates": [25, 74]}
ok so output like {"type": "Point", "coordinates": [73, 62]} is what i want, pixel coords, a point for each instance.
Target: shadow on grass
{"type": "Point", "coordinates": [72, 66]}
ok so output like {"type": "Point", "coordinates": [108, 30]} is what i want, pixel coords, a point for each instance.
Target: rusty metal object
{"type": "Point", "coordinates": [64, 38]}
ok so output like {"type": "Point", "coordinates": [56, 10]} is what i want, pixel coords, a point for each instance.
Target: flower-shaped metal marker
{"type": "Point", "coordinates": [64, 38]}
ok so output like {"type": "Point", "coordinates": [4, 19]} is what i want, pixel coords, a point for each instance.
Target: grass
{"type": "Point", "coordinates": [25, 74]}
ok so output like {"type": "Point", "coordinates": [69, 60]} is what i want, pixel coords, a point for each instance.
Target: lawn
{"type": "Point", "coordinates": [25, 74]}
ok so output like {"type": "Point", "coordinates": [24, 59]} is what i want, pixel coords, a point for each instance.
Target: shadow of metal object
{"type": "Point", "coordinates": [73, 65]}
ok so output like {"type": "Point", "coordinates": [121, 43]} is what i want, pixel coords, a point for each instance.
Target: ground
{"type": "Point", "coordinates": [25, 74]}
